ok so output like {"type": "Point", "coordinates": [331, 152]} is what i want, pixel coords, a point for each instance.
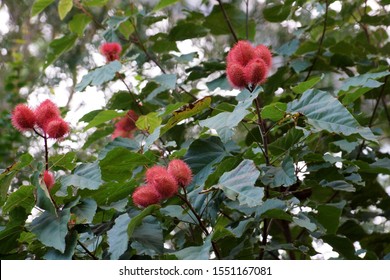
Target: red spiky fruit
{"type": "Point", "coordinates": [256, 72]}
{"type": "Point", "coordinates": [145, 195]}
{"type": "Point", "coordinates": [125, 126]}
{"type": "Point", "coordinates": [23, 118]}
{"type": "Point", "coordinates": [164, 183]}
{"type": "Point", "coordinates": [48, 179]}
{"type": "Point", "coordinates": [57, 128]}
{"type": "Point", "coordinates": [265, 54]}
{"type": "Point", "coordinates": [241, 53]}
{"type": "Point", "coordinates": [180, 171]}
{"type": "Point", "coordinates": [236, 76]}
{"type": "Point", "coordinates": [111, 51]}
{"type": "Point", "coordinates": [45, 113]}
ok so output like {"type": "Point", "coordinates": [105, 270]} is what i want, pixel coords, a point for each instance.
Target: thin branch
{"type": "Point", "coordinates": [132, 95]}
{"type": "Point", "coordinates": [230, 26]}
{"type": "Point", "coordinates": [87, 251]}
{"type": "Point", "coordinates": [247, 19]}
{"type": "Point", "coordinates": [87, 13]}
{"type": "Point", "coordinates": [373, 115]}
{"type": "Point", "coordinates": [201, 224]}
{"type": "Point", "coordinates": [46, 153]}
{"type": "Point", "coordinates": [321, 41]}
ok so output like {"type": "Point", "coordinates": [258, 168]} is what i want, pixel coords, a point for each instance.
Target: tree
{"type": "Point", "coordinates": [279, 166]}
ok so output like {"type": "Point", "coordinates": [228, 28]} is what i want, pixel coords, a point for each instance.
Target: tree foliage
{"type": "Point", "coordinates": [278, 170]}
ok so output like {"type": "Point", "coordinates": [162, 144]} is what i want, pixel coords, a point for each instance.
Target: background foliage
{"type": "Point", "coordinates": [316, 173]}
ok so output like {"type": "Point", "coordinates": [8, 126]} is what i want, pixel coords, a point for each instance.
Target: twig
{"type": "Point", "coordinates": [247, 19]}
{"type": "Point", "coordinates": [373, 114]}
{"type": "Point", "coordinates": [87, 251]}
{"type": "Point", "coordinates": [201, 224]}
{"type": "Point", "coordinates": [321, 41]}
{"type": "Point", "coordinates": [228, 20]}
{"type": "Point", "coordinates": [132, 95]}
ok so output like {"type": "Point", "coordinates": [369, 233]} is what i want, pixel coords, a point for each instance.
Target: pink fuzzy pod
{"type": "Point", "coordinates": [145, 195]}
{"type": "Point", "coordinates": [23, 118]}
{"type": "Point", "coordinates": [236, 76]}
{"type": "Point", "coordinates": [111, 51]}
{"type": "Point", "coordinates": [57, 128]}
{"type": "Point", "coordinates": [264, 53]}
{"type": "Point", "coordinates": [256, 72]}
{"type": "Point", "coordinates": [45, 113]}
{"type": "Point", "coordinates": [163, 182]}
{"type": "Point", "coordinates": [180, 171]}
{"type": "Point", "coordinates": [48, 179]}
{"type": "Point", "coordinates": [241, 53]}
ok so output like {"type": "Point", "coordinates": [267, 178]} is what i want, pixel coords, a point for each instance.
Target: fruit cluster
{"type": "Point", "coordinates": [46, 117]}
{"type": "Point", "coordinates": [248, 65]}
{"type": "Point", "coordinates": [111, 51]}
{"type": "Point", "coordinates": [162, 183]}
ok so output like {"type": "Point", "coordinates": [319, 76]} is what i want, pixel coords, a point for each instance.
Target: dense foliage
{"type": "Point", "coordinates": [281, 168]}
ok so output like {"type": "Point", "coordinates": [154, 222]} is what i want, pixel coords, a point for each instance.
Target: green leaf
{"type": "Point", "coordinates": [64, 7]}
{"type": "Point", "coordinates": [187, 30]}
{"type": "Point", "coordinates": [283, 175]}
{"type": "Point", "coordinates": [225, 122]}
{"type": "Point", "coordinates": [240, 184]}
{"type": "Point", "coordinates": [288, 48]}
{"type": "Point", "coordinates": [7, 176]}
{"type": "Point", "coordinates": [119, 163]}
{"type": "Point", "coordinates": [44, 200]}
{"type": "Point", "coordinates": [130, 144]}
{"type": "Point", "coordinates": [176, 211]}
{"type": "Point", "coordinates": [166, 82]}
{"type": "Point", "coordinates": [23, 197]}
{"type": "Point", "coordinates": [276, 13]}
{"type": "Point", "coordinates": [217, 24]}
{"type": "Point", "coordinates": [66, 161]}
{"type": "Point", "coordinates": [342, 245]}
{"type": "Point", "coordinates": [299, 65]}
{"type": "Point", "coordinates": [303, 221]}
{"type": "Point", "coordinates": [271, 204]}
{"type": "Point", "coordinates": [85, 176]}
{"type": "Point", "coordinates": [78, 24]}
{"type": "Point", "coordinates": [104, 116]}
{"type": "Point", "coordinates": [186, 112]}
{"type": "Point", "coordinates": [109, 193]}
{"type": "Point", "coordinates": [163, 4]}
{"type": "Point", "coordinates": [149, 122]}
{"type": "Point", "coordinates": [329, 216]}
{"type": "Point", "coordinates": [302, 87]}
{"type": "Point", "coordinates": [363, 83]}
{"type": "Point", "coordinates": [284, 144]}
{"type": "Point", "coordinates": [70, 246]}
{"type": "Point", "coordinates": [195, 252]}
{"type": "Point", "coordinates": [148, 237]}
{"type": "Point", "coordinates": [274, 111]}
{"type": "Point", "coordinates": [117, 237]}
{"type": "Point", "coordinates": [39, 6]}
{"type": "Point", "coordinates": [202, 155]}
{"type": "Point", "coordinates": [85, 210]}
{"type": "Point", "coordinates": [94, 3]}
{"type": "Point", "coordinates": [338, 185]}
{"type": "Point", "coordinates": [59, 46]}
{"type": "Point", "coordinates": [51, 229]}
{"type": "Point", "coordinates": [136, 221]}
{"type": "Point", "coordinates": [324, 112]}
{"type": "Point", "coordinates": [99, 75]}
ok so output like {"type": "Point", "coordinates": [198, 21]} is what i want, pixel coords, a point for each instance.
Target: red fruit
{"type": "Point", "coordinates": [23, 118]}
{"type": "Point", "coordinates": [241, 53]}
{"type": "Point", "coordinates": [111, 51]}
{"type": "Point", "coordinates": [164, 183]}
{"type": "Point", "coordinates": [236, 76]}
{"type": "Point", "coordinates": [57, 128]}
{"type": "Point", "coordinates": [145, 195]}
{"type": "Point", "coordinates": [49, 180]}
{"type": "Point", "coordinates": [264, 53]}
{"type": "Point", "coordinates": [45, 113]}
{"type": "Point", "coordinates": [256, 72]}
{"type": "Point", "coordinates": [180, 171]}
{"type": "Point", "coordinates": [125, 127]}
